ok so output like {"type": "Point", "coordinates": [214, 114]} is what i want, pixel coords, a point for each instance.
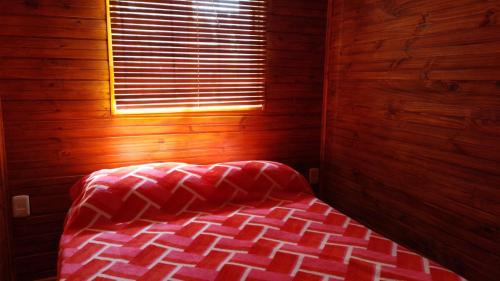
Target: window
{"type": "Point", "coordinates": [187, 55]}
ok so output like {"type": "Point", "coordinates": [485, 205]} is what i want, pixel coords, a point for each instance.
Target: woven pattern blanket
{"type": "Point", "coordinates": [251, 220]}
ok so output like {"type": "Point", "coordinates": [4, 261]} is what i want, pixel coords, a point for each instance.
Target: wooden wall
{"type": "Point", "coordinates": [4, 231]}
{"type": "Point", "coordinates": [54, 83]}
{"type": "Point", "coordinates": [5, 254]}
{"type": "Point", "coordinates": [412, 139]}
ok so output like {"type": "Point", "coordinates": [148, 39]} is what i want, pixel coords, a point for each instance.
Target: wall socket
{"type": "Point", "coordinates": [314, 175]}
{"type": "Point", "coordinates": [21, 206]}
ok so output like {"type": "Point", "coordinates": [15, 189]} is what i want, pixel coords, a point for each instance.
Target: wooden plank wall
{"type": "Point", "coordinates": [54, 82]}
{"type": "Point", "coordinates": [4, 247]}
{"type": "Point", "coordinates": [412, 139]}
{"type": "Point", "coordinates": [4, 231]}
{"type": "Point", "coordinates": [5, 254]}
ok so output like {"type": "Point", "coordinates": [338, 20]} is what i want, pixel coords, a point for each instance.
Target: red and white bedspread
{"type": "Point", "coordinates": [234, 221]}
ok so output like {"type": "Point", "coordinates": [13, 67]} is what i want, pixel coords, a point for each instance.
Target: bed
{"type": "Point", "coordinates": [253, 220]}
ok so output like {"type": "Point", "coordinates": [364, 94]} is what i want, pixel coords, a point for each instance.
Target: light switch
{"type": "Point", "coordinates": [314, 176]}
{"type": "Point", "coordinates": [21, 206]}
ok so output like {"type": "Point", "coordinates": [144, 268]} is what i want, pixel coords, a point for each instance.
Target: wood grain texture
{"type": "Point", "coordinates": [5, 253]}
{"type": "Point", "coordinates": [54, 83]}
{"type": "Point", "coordinates": [412, 125]}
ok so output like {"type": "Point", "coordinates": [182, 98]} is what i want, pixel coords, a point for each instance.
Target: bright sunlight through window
{"type": "Point", "coordinates": [186, 55]}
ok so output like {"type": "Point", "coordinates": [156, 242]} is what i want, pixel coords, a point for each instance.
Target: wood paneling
{"type": "Point", "coordinates": [5, 254]}
{"type": "Point", "coordinates": [412, 126]}
{"type": "Point", "coordinates": [54, 82]}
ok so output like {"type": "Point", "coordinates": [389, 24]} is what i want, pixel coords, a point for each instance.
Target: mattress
{"type": "Point", "coordinates": [253, 220]}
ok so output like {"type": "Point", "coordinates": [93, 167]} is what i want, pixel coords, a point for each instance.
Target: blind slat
{"type": "Point", "coordinates": [189, 103]}
{"type": "Point", "coordinates": [187, 26]}
{"type": "Point", "coordinates": [223, 4]}
{"type": "Point", "coordinates": [179, 89]}
{"type": "Point", "coordinates": [181, 94]}
{"type": "Point", "coordinates": [193, 17]}
{"type": "Point", "coordinates": [206, 10]}
{"type": "Point", "coordinates": [190, 40]}
{"type": "Point", "coordinates": [175, 33]}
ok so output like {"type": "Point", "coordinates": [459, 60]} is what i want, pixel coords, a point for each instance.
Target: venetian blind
{"type": "Point", "coordinates": [187, 55]}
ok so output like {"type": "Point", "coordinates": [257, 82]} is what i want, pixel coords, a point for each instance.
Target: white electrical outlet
{"type": "Point", "coordinates": [21, 206]}
{"type": "Point", "coordinates": [314, 175]}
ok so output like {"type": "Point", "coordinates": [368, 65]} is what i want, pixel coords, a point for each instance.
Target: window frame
{"type": "Point", "coordinates": [206, 112]}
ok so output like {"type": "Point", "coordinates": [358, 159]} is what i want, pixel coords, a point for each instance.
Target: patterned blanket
{"type": "Point", "coordinates": [233, 221]}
